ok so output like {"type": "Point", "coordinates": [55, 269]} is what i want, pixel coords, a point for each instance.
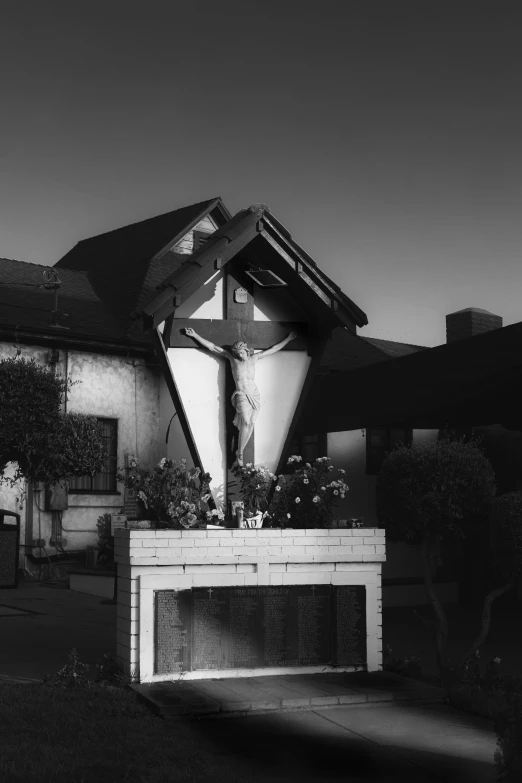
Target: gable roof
{"type": "Point", "coordinates": [244, 231]}
{"type": "Point", "coordinates": [121, 263]}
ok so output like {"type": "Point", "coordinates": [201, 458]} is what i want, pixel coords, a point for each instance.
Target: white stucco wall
{"type": "Point", "coordinates": [113, 387]}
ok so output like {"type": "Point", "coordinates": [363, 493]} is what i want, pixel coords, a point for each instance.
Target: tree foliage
{"type": "Point", "coordinates": [431, 492]}
{"type": "Point", "coordinates": [45, 444]}
{"type": "Point", "coordinates": [433, 488]}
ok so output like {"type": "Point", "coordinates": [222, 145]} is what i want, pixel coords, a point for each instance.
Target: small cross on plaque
{"type": "Point", "coordinates": [210, 591]}
{"type": "Point", "coordinates": [313, 590]}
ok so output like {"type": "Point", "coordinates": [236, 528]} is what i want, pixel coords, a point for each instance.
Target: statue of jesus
{"type": "Point", "coordinates": [246, 399]}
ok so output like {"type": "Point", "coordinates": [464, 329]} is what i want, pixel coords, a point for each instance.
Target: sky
{"type": "Point", "coordinates": [385, 135]}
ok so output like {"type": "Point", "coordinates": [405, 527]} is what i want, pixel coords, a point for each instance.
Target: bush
{"type": "Point", "coordinates": [407, 667]}
{"type": "Point", "coordinates": [105, 545]}
{"type": "Point", "coordinates": [44, 444]}
{"type": "Point", "coordinates": [307, 497]}
{"type": "Point", "coordinates": [508, 728]}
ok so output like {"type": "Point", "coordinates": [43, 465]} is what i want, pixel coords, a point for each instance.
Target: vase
{"type": "Point", "coordinates": [255, 521]}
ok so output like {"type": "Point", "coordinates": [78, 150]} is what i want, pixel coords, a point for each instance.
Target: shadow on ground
{"type": "Point", "coordinates": [401, 743]}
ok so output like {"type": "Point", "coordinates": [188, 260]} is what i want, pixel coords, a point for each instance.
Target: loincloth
{"type": "Point", "coordinates": [244, 402]}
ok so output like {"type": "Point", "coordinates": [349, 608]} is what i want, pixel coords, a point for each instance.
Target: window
{"type": "Point", "coordinates": [309, 447]}
{"type": "Point", "coordinates": [379, 441]}
{"type": "Point", "coordinates": [106, 480]}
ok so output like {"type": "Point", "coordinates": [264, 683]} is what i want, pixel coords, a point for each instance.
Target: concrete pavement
{"type": "Point", "coordinates": [397, 740]}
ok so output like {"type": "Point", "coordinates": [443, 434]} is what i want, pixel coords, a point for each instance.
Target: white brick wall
{"type": "Point", "coordinates": [174, 559]}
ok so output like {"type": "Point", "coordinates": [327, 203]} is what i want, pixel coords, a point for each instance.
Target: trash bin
{"type": "Point", "coordinates": [9, 545]}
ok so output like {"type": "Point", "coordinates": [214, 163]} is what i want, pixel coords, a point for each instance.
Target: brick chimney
{"type": "Point", "coordinates": [470, 322]}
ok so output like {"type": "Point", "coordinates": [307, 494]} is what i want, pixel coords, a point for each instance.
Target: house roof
{"type": "Point", "coordinates": [346, 351]}
{"type": "Point", "coordinates": [122, 265]}
{"type": "Point", "coordinates": [26, 304]}
{"type": "Point", "coordinates": [477, 381]}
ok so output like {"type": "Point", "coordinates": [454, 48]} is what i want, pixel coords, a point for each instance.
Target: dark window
{"type": "Point", "coordinates": [106, 480]}
{"type": "Point", "coordinates": [309, 447]}
{"type": "Point", "coordinates": [381, 440]}
{"type": "Point", "coordinates": [200, 237]}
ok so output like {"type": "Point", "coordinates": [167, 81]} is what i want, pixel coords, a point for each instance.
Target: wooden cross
{"type": "Point", "coordinates": [238, 324]}
{"type": "Point", "coordinates": [313, 590]}
{"type": "Point", "coordinates": [210, 591]}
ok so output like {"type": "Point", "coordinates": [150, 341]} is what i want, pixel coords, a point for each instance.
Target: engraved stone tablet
{"type": "Point", "coordinates": [350, 624]}
{"type": "Point", "coordinates": [173, 611]}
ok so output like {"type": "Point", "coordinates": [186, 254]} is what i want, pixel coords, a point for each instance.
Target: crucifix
{"type": "Point", "coordinates": [246, 398]}
{"type": "Point", "coordinates": [252, 339]}
{"type": "Point", "coordinates": [210, 591]}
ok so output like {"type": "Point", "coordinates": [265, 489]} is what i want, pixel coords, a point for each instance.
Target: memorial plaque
{"type": "Point", "coordinates": [173, 612]}
{"type": "Point", "coordinates": [210, 628]}
{"type": "Point", "coordinates": [276, 637]}
{"type": "Point", "coordinates": [254, 627]}
{"type": "Point", "coordinates": [349, 628]}
{"type": "Point", "coordinates": [308, 625]}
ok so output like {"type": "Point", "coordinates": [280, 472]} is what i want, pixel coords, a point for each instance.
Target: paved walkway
{"type": "Point", "coordinates": [298, 728]}
{"type": "Point", "coordinates": [243, 695]}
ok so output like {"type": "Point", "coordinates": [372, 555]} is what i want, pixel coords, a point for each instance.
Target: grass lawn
{"type": "Point", "coordinates": [51, 735]}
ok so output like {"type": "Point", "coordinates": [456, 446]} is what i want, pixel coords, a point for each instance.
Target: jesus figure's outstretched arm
{"type": "Point", "coordinates": [277, 346]}
{"type": "Point", "coordinates": [205, 343]}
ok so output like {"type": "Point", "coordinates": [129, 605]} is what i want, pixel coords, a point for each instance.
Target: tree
{"type": "Point", "coordinates": [428, 493]}
{"type": "Point", "coordinates": [45, 444]}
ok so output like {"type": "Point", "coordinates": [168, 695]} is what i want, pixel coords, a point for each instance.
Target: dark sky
{"type": "Point", "coordinates": [386, 136]}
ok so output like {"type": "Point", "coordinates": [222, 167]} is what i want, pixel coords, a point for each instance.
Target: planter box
{"type": "Point", "coordinates": [169, 568]}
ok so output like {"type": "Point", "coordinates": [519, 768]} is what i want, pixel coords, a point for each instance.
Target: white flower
{"type": "Point", "coordinates": [305, 481]}
{"type": "Point", "coordinates": [342, 494]}
{"type": "Point", "coordinates": [340, 470]}
{"type": "Point", "coordinates": [288, 515]}
{"type": "Point", "coordinates": [162, 462]}
{"type": "Point", "coordinates": [496, 660]}
{"type": "Point", "coordinates": [330, 467]}
{"type": "Point", "coordinates": [316, 498]}
{"type": "Point", "coordinates": [308, 465]}
{"type": "Point", "coordinates": [298, 500]}
{"type": "Point", "coordinates": [278, 489]}
{"type": "Point", "coordinates": [336, 491]}
{"type": "Point", "coordinates": [323, 489]}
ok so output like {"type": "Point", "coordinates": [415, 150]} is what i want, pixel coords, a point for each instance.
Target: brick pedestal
{"type": "Point", "coordinates": [150, 560]}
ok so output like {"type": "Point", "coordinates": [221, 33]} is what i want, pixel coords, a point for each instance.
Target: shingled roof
{"type": "Point", "coordinates": [122, 263]}
{"type": "Point", "coordinates": [26, 305]}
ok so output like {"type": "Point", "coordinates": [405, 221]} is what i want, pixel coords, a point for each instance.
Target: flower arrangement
{"type": "Point", "coordinates": [307, 497]}
{"type": "Point", "coordinates": [171, 495]}
{"type": "Point", "coordinates": [255, 482]}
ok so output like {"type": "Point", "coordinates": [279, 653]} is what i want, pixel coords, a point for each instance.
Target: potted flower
{"type": "Point", "coordinates": [307, 496]}
{"type": "Point", "coordinates": [255, 482]}
{"type": "Point", "coordinates": [170, 494]}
